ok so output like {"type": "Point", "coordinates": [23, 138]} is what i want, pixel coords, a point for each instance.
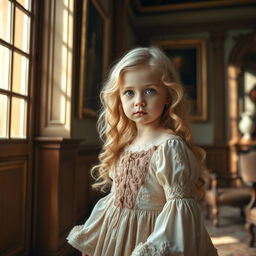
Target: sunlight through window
{"type": "Point", "coordinates": [5, 67]}
{"type": "Point", "coordinates": [21, 30]}
{"type": "Point", "coordinates": [15, 22]}
{"type": "Point", "coordinates": [18, 118]}
{"type": "Point", "coordinates": [5, 20]}
{"type": "Point", "coordinates": [250, 82]}
{"type": "Point", "coordinates": [20, 74]}
{"type": "Point", "coordinates": [224, 240]}
{"type": "Point", "coordinates": [25, 3]}
{"type": "Point", "coordinates": [4, 106]}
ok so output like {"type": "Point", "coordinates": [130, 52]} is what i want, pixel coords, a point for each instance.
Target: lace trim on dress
{"type": "Point", "coordinates": [77, 237]}
{"type": "Point", "coordinates": [146, 147]}
{"type": "Point", "coordinates": [177, 191]}
{"type": "Point", "coordinates": [131, 170]}
{"type": "Point", "coordinates": [149, 249]}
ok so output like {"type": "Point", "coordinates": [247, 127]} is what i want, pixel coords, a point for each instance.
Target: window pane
{"type": "Point", "coordinates": [18, 118]}
{"type": "Point", "coordinates": [5, 20]}
{"type": "Point", "coordinates": [20, 74]}
{"type": "Point", "coordinates": [22, 29]}
{"type": "Point", "coordinates": [25, 3]}
{"type": "Point", "coordinates": [5, 54]}
{"type": "Point", "coordinates": [4, 114]}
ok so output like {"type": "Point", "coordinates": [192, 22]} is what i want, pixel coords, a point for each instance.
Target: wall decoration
{"type": "Point", "coordinates": [189, 60]}
{"type": "Point", "coordinates": [93, 57]}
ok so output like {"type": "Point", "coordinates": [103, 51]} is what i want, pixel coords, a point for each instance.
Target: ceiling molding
{"type": "Point", "coordinates": [169, 6]}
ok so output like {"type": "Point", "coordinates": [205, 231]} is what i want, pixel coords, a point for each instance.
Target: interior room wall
{"type": "Point", "coordinates": [203, 23]}
{"type": "Point", "coordinates": [86, 128]}
{"type": "Point", "coordinates": [203, 131]}
{"type": "Point", "coordinates": [230, 42]}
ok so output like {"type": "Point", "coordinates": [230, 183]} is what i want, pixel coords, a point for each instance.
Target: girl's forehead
{"type": "Point", "coordinates": [142, 67]}
{"type": "Point", "coordinates": [140, 74]}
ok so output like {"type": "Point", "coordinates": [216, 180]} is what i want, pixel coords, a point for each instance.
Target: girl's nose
{"type": "Point", "coordinates": [140, 103]}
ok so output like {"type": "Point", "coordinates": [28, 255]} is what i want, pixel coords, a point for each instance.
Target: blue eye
{"type": "Point", "coordinates": [129, 93]}
{"type": "Point", "coordinates": [150, 91]}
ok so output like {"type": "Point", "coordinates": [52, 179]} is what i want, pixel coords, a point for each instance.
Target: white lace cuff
{"type": "Point", "coordinates": [77, 238]}
{"type": "Point", "coordinates": [149, 249]}
{"type": "Point", "coordinates": [177, 191]}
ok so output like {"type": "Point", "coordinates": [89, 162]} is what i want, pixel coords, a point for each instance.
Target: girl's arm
{"type": "Point", "coordinates": [179, 229]}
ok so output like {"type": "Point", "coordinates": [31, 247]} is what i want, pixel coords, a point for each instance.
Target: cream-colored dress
{"type": "Point", "coordinates": [150, 210]}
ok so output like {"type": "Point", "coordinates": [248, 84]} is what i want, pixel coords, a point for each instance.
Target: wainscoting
{"type": "Point", "coordinates": [41, 202]}
{"type": "Point", "coordinates": [62, 192]}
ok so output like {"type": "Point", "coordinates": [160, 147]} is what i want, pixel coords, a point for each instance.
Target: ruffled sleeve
{"type": "Point", "coordinates": [179, 228]}
{"type": "Point", "coordinates": [84, 237]}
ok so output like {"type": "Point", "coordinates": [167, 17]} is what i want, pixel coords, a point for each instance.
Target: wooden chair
{"type": "Point", "coordinates": [222, 191]}
{"type": "Point", "coordinates": [247, 165]}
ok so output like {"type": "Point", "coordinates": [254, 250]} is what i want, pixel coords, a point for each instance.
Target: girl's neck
{"type": "Point", "coordinates": [149, 135]}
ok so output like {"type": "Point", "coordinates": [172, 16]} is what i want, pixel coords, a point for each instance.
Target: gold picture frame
{"type": "Point", "coordinates": [189, 59]}
{"type": "Point", "coordinates": [94, 57]}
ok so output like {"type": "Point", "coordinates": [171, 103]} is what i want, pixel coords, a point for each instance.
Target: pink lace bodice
{"type": "Point", "coordinates": [130, 172]}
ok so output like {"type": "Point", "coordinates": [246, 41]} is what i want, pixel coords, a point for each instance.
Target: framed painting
{"type": "Point", "coordinates": [189, 60]}
{"type": "Point", "coordinates": [93, 57]}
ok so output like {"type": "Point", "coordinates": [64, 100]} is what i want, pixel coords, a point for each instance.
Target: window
{"type": "Point", "coordinates": [15, 26]}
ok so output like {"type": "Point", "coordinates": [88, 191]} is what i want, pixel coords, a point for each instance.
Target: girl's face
{"type": "Point", "coordinates": [143, 96]}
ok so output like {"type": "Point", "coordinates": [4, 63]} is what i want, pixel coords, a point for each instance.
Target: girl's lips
{"type": "Point", "coordinates": [140, 113]}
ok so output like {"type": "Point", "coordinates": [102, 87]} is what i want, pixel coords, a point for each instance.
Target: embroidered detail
{"type": "Point", "coordinates": [149, 249]}
{"type": "Point", "coordinates": [78, 238]}
{"type": "Point", "coordinates": [78, 234]}
{"type": "Point", "coordinates": [131, 170]}
{"type": "Point", "coordinates": [178, 158]}
{"type": "Point", "coordinates": [177, 191]}
{"type": "Point", "coordinates": [143, 195]}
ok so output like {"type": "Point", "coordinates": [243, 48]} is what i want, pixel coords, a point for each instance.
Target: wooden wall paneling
{"type": "Point", "coordinates": [82, 188]}
{"type": "Point", "coordinates": [86, 197]}
{"type": "Point", "coordinates": [55, 195]}
{"type": "Point", "coordinates": [67, 188]}
{"type": "Point", "coordinates": [218, 38]}
{"type": "Point", "coordinates": [119, 23]}
{"type": "Point", "coordinates": [15, 206]}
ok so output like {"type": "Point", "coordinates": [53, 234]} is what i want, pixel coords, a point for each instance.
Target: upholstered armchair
{"type": "Point", "coordinates": [247, 164]}
{"type": "Point", "coordinates": [222, 191]}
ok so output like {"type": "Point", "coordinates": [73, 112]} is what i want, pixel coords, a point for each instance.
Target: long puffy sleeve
{"type": "Point", "coordinates": [179, 229]}
{"type": "Point", "coordinates": [84, 237]}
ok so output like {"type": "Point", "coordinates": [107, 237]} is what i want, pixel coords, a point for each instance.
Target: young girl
{"type": "Point", "coordinates": [155, 173]}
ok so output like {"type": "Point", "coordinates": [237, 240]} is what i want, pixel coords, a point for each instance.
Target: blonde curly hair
{"type": "Point", "coordinates": [116, 130]}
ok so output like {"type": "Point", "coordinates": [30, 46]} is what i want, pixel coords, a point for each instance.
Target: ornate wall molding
{"type": "Point", "coordinates": [56, 74]}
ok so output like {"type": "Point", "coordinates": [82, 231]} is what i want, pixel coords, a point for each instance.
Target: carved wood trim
{"type": "Point", "coordinates": [145, 32]}
{"type": "Point", "coordinates": [218, 38]}
{"type": "Point", "coordinates": [236, 63]}
{"type": "Point", "coordinates": [56, 74]}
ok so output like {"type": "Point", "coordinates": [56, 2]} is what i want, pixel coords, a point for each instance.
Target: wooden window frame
{"type": "Point", "coordinates": [8, 92]}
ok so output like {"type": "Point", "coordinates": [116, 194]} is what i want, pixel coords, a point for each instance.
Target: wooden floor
{"type": "Point", "coordinates": [230, 238]}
